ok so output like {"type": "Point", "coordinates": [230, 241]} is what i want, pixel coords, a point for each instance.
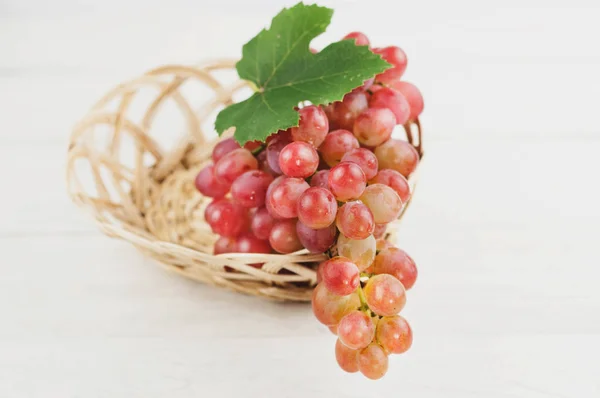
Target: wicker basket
{"type": "Point", "coordinates": [143, 191]}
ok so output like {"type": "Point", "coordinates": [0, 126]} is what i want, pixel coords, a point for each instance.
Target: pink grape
{"type": "Point", "coordinates": [396, 57]}
{"type": "Point", "coordinates": [365, 159]}
{"type": "Point", "coordinates": [373, 361]}
{"type": "Point", "coordinates": [383, 244]}
{"type": "Point", "coordinates": [313, 126]}
{"type": "Point", "coordinates": [283, 199]}
{"type": "Point", "coordinates": [224, 245]}
{"type": "Point", "coordinates": [248, 243]}
{"type": "Point", "coordinates": [284, 238]}
{"type": "Point", "coordinates": [397, 155]}
{"type": "Point", "coordinates": [340, 276]}
{"type": "Point", "coordinates": [347, 358]}
{"type": "Point", "coordinates": [252, 145]}
{"type": "Point", "coordinates": [316, 240]}
{"type": "Point", "coordinates": [263, 164]}
{"type": "Point", "coordinates": [274, 148]}
{"type": "Point", "coordinates": [336, 144]}
{"type": "Point", "coordinates": [250, 188]}
{"type": "Point", "coordinates": [355, 221]}
{"type": "Point", "coordinates": [317, 208]}
{"type": "Point", "coordinates": [359, 38]}
{"type": "Point", "coordinates": [397, 263]}
{"type": "Point", "coordinates": [330, 308]}
{"type": "Point", "coordinates": [273, 185]}
{"type": "Point", "coordinates": [394, 334]}
{"type": "Point", "coordinates": [413, 96]}
{"type": "Point", "coordinates": [298, 159]}
{"type": "Point", "coordinates": [394, 180]}
{"type": "Point", "coordinates": [223, 148]}
{"type": "Point", "coordinates": [374, 126]}
{"type": "Point", "coordinates": [209, 185]}
{"type": "Point", "coordinates": [379, 231]}
{"type": "Point", "coordinates": [385, 295]}
{"type": "Point", "coordinates": [227, 218]}
{"type": "Point", "coordinates": [394, 101]}
{"type": "Point", "coordinates": [356, 330]}
{"type": "Point", "coordinates": [383, 201]}
{"type": "Point", "coordinates": [344, 113]}
{"type": "Point", "coordinates": [333, 329]}
{"type": "Point", "coordinates": [234, 164]}
{"type": "Point", "coordinates": [360, 252]}
{"type": "Point", "coordinates": [320, 179]}
{"type": "Point", "coordinates": [347, 181]}
{"type": "Point", "coordinates": [262, 223]}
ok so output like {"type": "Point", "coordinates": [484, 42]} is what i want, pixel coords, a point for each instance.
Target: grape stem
{"type": "Point", "coordinates": [363, 301]}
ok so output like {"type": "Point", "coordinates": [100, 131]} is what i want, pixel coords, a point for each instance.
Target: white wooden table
{"type": "Point", "coordinates": [504, 227]}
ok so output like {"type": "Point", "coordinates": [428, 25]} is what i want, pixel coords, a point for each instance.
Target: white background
{"type": "Point", "coordinates": [504, 227]}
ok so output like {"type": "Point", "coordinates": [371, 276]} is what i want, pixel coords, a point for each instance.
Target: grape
{"type": "Point", "coordinates": [316, 240]}
{"type": "Point", "coordinates": [347, 181]}
{"type": "Point", "coordinates": [413, 96]}
{"type": "Point", "coordinates": [368, 84]}
{"type": "Point", "coordinates": [344, 113]}
{"type": "Point", "coordinates": [211, 207]}
{"type": "Point", "coordinates": [252, 145]}
{"type": "Point", "coordinates": [283, 199]}
{"type": "Point", "coordinates": [227, 218]}
{"type": "Point", "coordinates": [223, 148]}
{"type": "Point", "coordinates": [234, 164]}
{"type": "Point", "coordinates": [365, 159]}
{"type": "Point", "coordinates": [374, 126]}
{"type": "Point", "coordinates": [329, 308]}
{"type": "Point", "coordinates": [356, 330]}
{"type": "Point", "coordinates": [313, 126]}
{"type": "Point", "coordinates": [394, 180]}
{"type": "Point", "coordinates": [333, 329]}
{"type": "Point", "coordinates": [298, 159]}
{"type": "Point", "coordinates": [320, 179]}
{"type": "Point", "coordinates": [397, 263]}
{"type": "Point", "coordinates": [383, 244]}
{"type": "Point", "coordinates": [360, 252]}
{"type": "Point", "coordinates": [392, 100]}
{"type": "Point", "coordinates": [397, 155]}
{"type": "Point", "coordinates": [250, 188]}
{"type": "Point", "coordinates": [209, 185]}
{"type": "Point", "coordinates": [373, 361]}
{"type": "Point", "coordinates": [355, 221]}
{"type": "Point", "coordinates": [262, 223]}
{"type": "Point", "coordinates": [359, 38]}
{"type": "Point", "coordinates": [347, 358]}
{"type": "Point", "coordinates": [383, 201]}
{"type": "Point", "coordinates": [336, 144]}
{"type": "Point", "coordinates": [283, 237]}
{"type": "Point", "coordinates": [396, 57]}
{"type": "Point", "coordinates": [224, 245]}
{"type": "Point", "coordinates": [317, 208]}
{"type": "Point", "coordinates": [273, 185]}
{"type": "Point", "coordinates": [394, 334]}
{"type": "Point", "coordinates": [247, 243]}
{"type": "Point", "coordinates": [276, 144]}
{"type": "Point", "coordinates": [340, 276]}
{"type": "Point", "coordinates": [385, 295]}
{"type": "Point", "coordinates": [263, 164]}
{"type": "Point", "coordinates": [379, 231]}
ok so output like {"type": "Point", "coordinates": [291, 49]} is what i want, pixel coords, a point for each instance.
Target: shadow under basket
{"type": "Point", "coordinates": [135, 175]}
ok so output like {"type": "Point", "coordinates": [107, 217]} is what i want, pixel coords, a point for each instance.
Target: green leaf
{"type": "Point", "coordinates": [279, 63]}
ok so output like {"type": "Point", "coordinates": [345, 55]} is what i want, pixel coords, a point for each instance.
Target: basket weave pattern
{"type": "Point", "coordinates": [141, 192]}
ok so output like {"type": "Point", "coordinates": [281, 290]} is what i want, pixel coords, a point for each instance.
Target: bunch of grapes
{"type": "Point", "coordinates": [331, 185]}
